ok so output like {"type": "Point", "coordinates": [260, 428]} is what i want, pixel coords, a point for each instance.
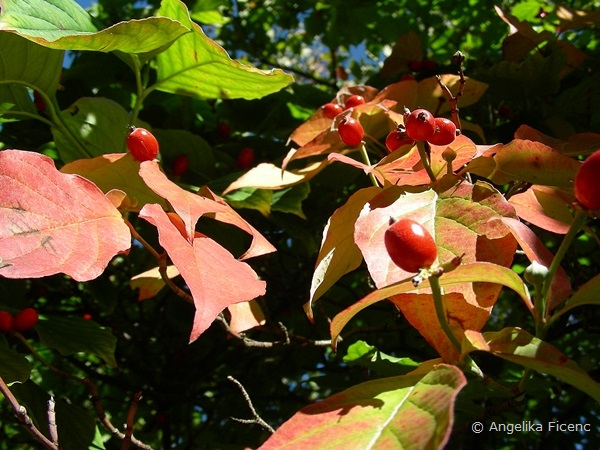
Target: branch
{"type": "Point", "coordinates": [458, 58]}
{"type": "Point", "coordinates": [130, 417]}
{"type": "Point", "coordinates": [257, 419]}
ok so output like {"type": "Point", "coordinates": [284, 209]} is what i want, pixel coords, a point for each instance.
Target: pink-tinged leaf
{"type": "Point", "coordinates": [518, 346]}
{"type": "Point", "coordinates": [245, 316]}
{"type": "Point", "coordinates": [586, 295]}
{"type": "Point", "coordinates": [545, 207]}
{"type": "Point", "coordinates": [54, 223]}
{"type": "Point", "coordinates": [576, 144]}
{"type": "Point", "coordinates": [461, 220]}
{"type": "Point", "coordinates": [338, 254]}
{"type": "Point", "coordinates": [269, 176]}
{"type": "Point", "coordinates": [189, 206]}
{"type": "Point", "coordinates": [528, 161]}
{"type": "Point", "coordinates": [464, 274]}
{"type": "Point", "coordinates": [215, 278]}
{"type": "Point", "coordinates": [535, 250]}
{"type": "Point", "coordinates": [413, 411]}
{"type": "Point", "coordinates": [150, 282]}
{"type": "Point", "coordinates": [359, 165]}
{"type": "Point", "coordinates": [259, 246]}
{"type": "Point", "coordinates": [116, 171]}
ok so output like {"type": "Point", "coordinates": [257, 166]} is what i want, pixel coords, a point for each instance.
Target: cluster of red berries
{"type": "Point", "coordinates": [330, 110]}
{"type": "Point", "coordinates": [421, 125]}
{"type": "Point", "coordinates": [23, 321]}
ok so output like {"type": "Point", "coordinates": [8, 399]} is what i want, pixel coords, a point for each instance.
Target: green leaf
{"type": "Point", "coordinates": [413, 411]}
{"type": "Point", "coordinates": [518, 346]}
{"type": "Point", "coordinates": [174, 143]}
{"type": "Point", "coordinates": [251, 198]}
{"type": "Point", "coordinates": [13, 365]}
{"type": "Point", "coordinates": [70, 335]}
{"type": "Point", "coordinates": [586, 295]}
{"type": "Point", "coordinates": [198, 67]}
{"type": "Point", "coordinates": [64, 25]}
{"type": "Point", "coordinates": [208, 11]}
{"type": "Point", "coordinates": [364, 355]}
{"type": "Point", "coordinates": [83, 432]}
{"type": "Point", "coordinates": [100, 124]}
{"type": "Point", "coordinates": [290, 200]}
{"type": "Point", "coordinates": [26, 63]}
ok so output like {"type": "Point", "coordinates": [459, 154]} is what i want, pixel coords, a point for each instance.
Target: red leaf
{"type": "Point", "coordinates": [54, 223]}
{"type": "Point", "coordinates": [215, 278]}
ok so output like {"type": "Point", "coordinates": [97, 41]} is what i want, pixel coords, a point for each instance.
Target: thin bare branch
{"type": "Point", "coordinates": [256, 418]}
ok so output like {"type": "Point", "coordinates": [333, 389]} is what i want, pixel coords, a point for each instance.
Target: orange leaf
{"type": "Point", "coordinates": [54, 223]}
{"type": "Point", "coordinates": [215, 278]}
{"type": "Point", "coordinates": [545, 207]}
{"type": "Point", "coordinates": [245, 316]}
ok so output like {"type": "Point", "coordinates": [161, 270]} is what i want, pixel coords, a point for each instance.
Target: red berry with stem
{"type": "Point", "coordinates": [245, 157]}
{"type": "Point", "coordinates": [409, 245]}
{"type": "Point", "coordinates": [587, 185]}
{"type": "Point", "coordinates": [354, 100]}
{"type": "Point", "coordinates": [142, 144]}
{"type": "Point", "coordinates": [445, 132]}
{"type": "Point", "coordinates": [351, 131]}
{"type": "Point", "coordinates": [330, 110]}
{"type": "Point", "coordinates": [397, 138]}
{"type": "Point", "coordinates": [419, 124]}
{"type": "Point", "coordinates": [180, 165]}
{"type": "Point", "coordinates": [25, 320]}
{"type": "Point", "coordinates": [6, 322]}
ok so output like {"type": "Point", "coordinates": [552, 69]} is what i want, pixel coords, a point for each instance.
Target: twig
{"type": "Point", "coordinates": [130, 417]}
{"type": "Point", "coordinates": [21, 414]}
{"type": "Point", "coordinates": [52, 429]}
{"type": "Point", "coordinates": [458, 58]}
{"type": "Point", "coordinates": [257, 419]}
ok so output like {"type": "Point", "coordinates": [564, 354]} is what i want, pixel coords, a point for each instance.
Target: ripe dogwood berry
{"type": "Point", "coordinates": [410, 245]}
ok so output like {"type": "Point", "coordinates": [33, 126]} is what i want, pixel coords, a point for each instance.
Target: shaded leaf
{"type": "Point", "coordinates": [545, 207]}
{"type": "Point", "coordinates": [70, 335]}
{"type": "Point", "coordinates": [198, 67]}
{"type": "Point", "coordinates": [215, 278]}
{"type": "Point", "coordinates": [13, 365]}
{"type": "Point", "coordinates": [585, 295]}
{"type": "Point", "coordinates": [432, 97]}
{"type": "Point", "coordinates": [54, 223]}
{"type": "Point", "coordinates": [364, 355]}
{"type": "Point", "coordinates": [290, 200]}
{"type": "Point", "coordinates": [413, 411]}
{"type": "Point", "coordinates": [251, 198]}
{"type": "Point", "coordinates": [150, 282]}
{"type": "Point", "coordinates": [518, 346]}
{"type": "Point", "coordinates": [338, 254]}
{"type": "Point", "coordinates": [116, 171]}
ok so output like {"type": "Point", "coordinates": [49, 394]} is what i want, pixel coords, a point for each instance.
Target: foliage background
{"type": "Point", "coordinates": [187, 400]}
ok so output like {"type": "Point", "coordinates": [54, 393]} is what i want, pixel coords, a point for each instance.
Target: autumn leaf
{"type": "Point", "coordinates": [412, 411]}
{"type": "Point", "coordinates": [52, 222]}
{"type": "Point", "coordinates": [215, 278]}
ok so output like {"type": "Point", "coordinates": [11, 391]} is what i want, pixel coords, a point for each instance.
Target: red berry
{"type": "Point", "coordinates": [38, 101]}
{"type": "Point", "coordinates": [354, 100]}
{"type": "Point", "coordinates": [397, 138]}
{"type": "Point", "coordinates": [25, 320]}
{"type": "Point", "coordinates": [6, 322]}
{"type": "Point", "coordinates": [445, 132]}
{"type": "Point", "coordinates": [407, 77]}
{"type": "Point", "coordinates": [245, 157]}
{"type": "Point", "coordinates": [142, 144]}
{"type": "Point", "coordinates": [429, 64]}
{"type": "Point", "coordinates": [351, 131]}
{"type": "Point", "coordinates": [419, 124]}
{"type": "Point", "coordinates": [587, 185]}
{"type": "Point", "coordinates": [341, 73]}
{"type": "Point", "coordinates": [330, 110]}
{"type": "Point", "coordinates": [180, 165]}
{"type": "Point", "coordinates": [224, 130]}
{"type": "Point", "coordinates": [409, 245]}
{"type": "Point", "coordinates": [87, 316]}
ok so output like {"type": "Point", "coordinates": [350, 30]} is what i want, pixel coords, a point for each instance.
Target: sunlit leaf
{"type": "Point", "coordinates": [54, 223]}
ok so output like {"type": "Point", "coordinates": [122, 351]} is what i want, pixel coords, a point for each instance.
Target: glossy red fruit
{"type": "Point", "coordinates": [419, 124]}
{"type": "Point", "coordinates": [224, 130]}
{"type": "Point", "coordinates": [445, 132]}
{"type": "Point", "coordinates": [245, 157]}
{"type": "Point", "coordinates": [180, 165]}
{"type": "Point", "coordinates": [351, 131]}
{"type": "Point", "coordinates": [397, 138]}
{"type": "Point", "coordinates": [330, 110]}
{"type": "Point", "coordinates": [142, 144]}
{"type": "Point", "coordinates": [354, 100]}
{"type": "Point", "coordinates": [25, 320]}
{"type": "Point", "coordinates": [587, 183]}
{"type": "Point", "coordinates": [6, 322]}
{"type": "Point", "coordinates": [409, 245]}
